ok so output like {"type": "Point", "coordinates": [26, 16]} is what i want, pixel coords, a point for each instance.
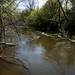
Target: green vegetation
{"type": "Point", "coordinates": [54, 26]}
{"type": "Point", "coordinates": [56, 16]}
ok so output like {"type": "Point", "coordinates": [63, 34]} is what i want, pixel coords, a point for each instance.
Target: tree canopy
{"type": "Point", "coordinates": [54, 16]}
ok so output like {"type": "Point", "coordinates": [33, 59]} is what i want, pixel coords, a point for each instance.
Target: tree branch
{"type": "Point", "coordinates": [62, 10]}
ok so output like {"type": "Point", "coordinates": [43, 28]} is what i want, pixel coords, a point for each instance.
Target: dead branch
{"type": "Point", "coordinates": [17, 61]}
{"type": "Point", "coordinates": [62, 10]}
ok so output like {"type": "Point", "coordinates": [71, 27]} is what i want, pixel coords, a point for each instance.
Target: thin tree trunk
{"type": "Point", "coordinates": [62, 10]}
{"type": "Point", "coordinates": [2, 30]}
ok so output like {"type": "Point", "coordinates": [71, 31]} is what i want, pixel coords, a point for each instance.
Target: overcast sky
{"type": "Point", "coordinates": [41, 3]}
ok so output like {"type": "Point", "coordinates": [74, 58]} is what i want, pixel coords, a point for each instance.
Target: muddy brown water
{"type": "Point", "coordinates": [40, 55]}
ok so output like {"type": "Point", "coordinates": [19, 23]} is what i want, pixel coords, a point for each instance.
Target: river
{"type": "Point", "coordinates": [42, 55]}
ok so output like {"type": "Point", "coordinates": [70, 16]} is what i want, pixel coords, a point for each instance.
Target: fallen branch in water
{"type": "Point", "coordinates": [16, 62]}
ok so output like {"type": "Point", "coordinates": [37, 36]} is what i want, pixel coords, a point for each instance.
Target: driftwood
{"type": "Point", "coordinates": [7, 44]}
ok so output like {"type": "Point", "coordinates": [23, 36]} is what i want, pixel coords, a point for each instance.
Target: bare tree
{"type": "Point", "coordinates": [30, 4]}
{"type": "Point", "coordinates": [60, 6]}
{"type": "Point", "coordinates": [6, 10]}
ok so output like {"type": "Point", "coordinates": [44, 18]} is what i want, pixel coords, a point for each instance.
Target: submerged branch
{"type": "Point", "coordinates": [14, 62]}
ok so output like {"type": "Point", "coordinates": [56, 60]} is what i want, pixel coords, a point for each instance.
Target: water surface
{"type": "Point", "coordinates": [41, 54]}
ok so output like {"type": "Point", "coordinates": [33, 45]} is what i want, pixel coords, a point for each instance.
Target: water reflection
{"type": "Point", "coordinates": [48, 56]}
{"type": "Point", "coordinates": [8, 68]}
{"type": "Point", "coordinates": [43, 56]}
{"type": "Point", "coordinates": [63, 54]}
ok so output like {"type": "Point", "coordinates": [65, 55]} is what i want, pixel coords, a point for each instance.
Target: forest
{"type": "Point", "coordinates": [56, 16]}
{"type": "Point", "coordinates": [37, 39]}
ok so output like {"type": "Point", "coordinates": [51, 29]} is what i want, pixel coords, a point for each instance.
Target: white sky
{"type": "Point", "coordinates": [41, 3]}
{"type": "Point", "coordinates": [69, 5]}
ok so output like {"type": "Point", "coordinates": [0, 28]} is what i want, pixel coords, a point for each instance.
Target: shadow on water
{"type": "Point", "coordinates": [8, 68]}
{"type": "Point", "coordinates": [62, 53]}
{"type": "Point", "coordinates": [41, 54]}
